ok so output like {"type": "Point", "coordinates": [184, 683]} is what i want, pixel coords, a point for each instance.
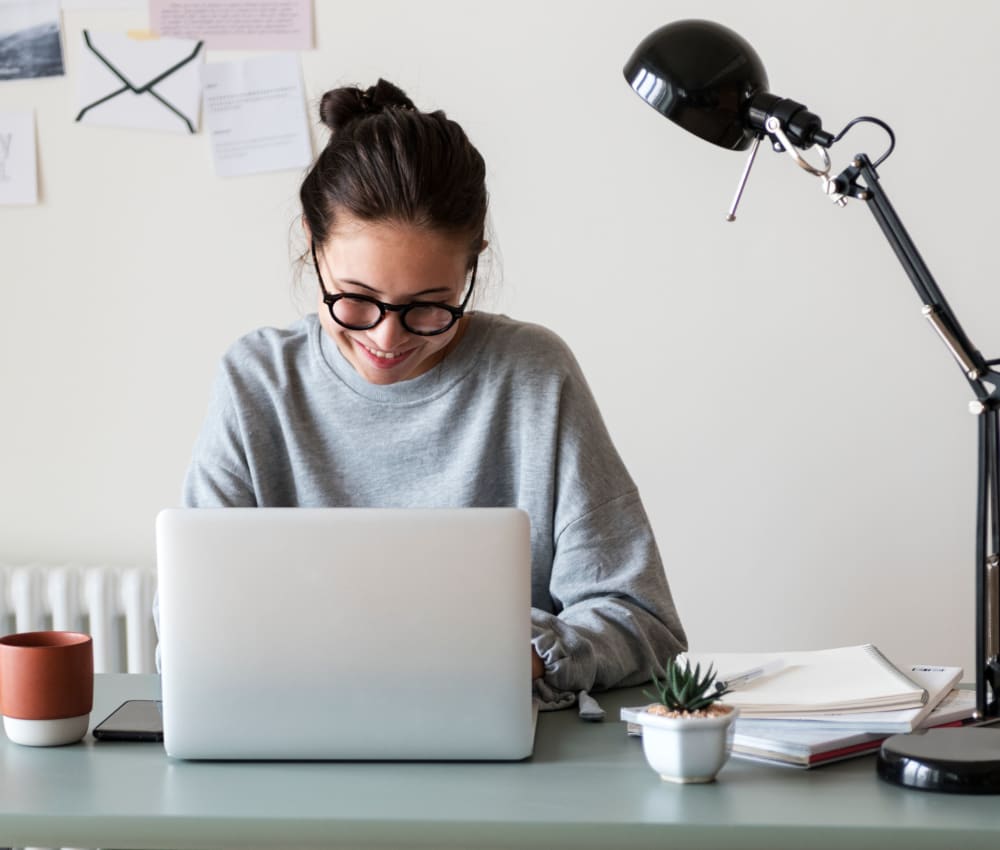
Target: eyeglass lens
{"type": "Point", "coordinates": [360, 314]}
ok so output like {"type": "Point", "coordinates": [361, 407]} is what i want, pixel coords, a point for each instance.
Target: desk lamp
{"type": "Point", "coordinates": [711, 82]}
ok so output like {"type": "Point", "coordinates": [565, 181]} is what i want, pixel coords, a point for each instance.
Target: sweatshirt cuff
{"type": "Point", "coordinates": [568, 658]}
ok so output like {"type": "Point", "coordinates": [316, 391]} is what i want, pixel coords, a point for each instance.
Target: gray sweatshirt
{"type": "Point", "coordinates": [506, 419]}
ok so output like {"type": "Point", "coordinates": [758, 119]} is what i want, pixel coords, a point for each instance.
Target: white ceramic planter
{"type": "Point", "coordinates": [687, 749]}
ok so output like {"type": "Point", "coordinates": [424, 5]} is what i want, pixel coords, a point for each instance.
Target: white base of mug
{"type": "Point", "coordinates": [46, 733]}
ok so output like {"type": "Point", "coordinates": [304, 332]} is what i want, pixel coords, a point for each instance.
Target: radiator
{"type": "Point", "coordinates": [111, 604]}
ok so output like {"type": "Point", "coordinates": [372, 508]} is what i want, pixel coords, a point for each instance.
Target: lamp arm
{"type": "Point", "coordinates": [936, 308]}
{"type": "Point", "coordinates": [860, 180]}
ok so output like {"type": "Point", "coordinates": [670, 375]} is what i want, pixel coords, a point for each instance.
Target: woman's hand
{"type": "Point", "coordinates": [537, 667]}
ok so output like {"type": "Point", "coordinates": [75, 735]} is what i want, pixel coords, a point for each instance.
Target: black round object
{"type": "Point", "coordinates": [957, 761]}
{"type": "Point", "coordinates": [701, 75]}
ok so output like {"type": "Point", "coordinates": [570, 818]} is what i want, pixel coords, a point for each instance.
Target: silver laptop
{"type": "Point", "coordinates": [345, 633]}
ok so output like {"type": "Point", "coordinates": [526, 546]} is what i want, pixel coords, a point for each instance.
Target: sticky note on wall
{"type": "Point", "coordinates": [18, 162]}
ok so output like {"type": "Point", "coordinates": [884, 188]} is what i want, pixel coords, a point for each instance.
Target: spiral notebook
{"type": "Point", "coordinates": [845, 679]}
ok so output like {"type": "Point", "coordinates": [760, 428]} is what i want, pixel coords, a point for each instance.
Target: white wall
{"type": "Point", "coordinates": [798, 433]}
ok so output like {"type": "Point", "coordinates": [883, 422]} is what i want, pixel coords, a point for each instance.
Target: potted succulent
{"type": "Point", "coordinates": [687, 733]}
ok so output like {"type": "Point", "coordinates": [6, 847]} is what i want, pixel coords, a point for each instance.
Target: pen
{"type": "Point", "coordinates": [738, 680]}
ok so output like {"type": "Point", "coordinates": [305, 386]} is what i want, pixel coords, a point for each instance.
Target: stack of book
{"type": "Point", "coordinates": [805, 709]}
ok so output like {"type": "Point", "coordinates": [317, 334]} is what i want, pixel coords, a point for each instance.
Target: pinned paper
{"type": "Point", "coordinates": [148, 84]}
{"type": "Point", "coordinates": [29, 39]}
{"type": "Point", "coordinates": [236, 24]}
{"type": "Point", "coordinates": [18, 166]}
{"type": "Point", "coordinates": [256, 117]}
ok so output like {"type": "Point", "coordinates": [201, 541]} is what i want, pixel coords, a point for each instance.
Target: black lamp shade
{"type": "Point", "coordinates": [702, 76]}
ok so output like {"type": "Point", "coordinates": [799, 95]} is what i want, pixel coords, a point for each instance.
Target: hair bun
{"type": "Point", "coordinates": [340, 107]}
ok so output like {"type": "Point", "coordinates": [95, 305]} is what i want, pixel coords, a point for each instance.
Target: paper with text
{"type": "Point", "coordinates": [18, 165]}
{"type": "Point", "coordinates": [236, 24]}
{"type": "Point", "coordinates": [256, 116]}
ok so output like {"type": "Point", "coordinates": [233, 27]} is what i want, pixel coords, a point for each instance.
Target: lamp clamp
{"type": "Point", "coordinates": [780, 142]}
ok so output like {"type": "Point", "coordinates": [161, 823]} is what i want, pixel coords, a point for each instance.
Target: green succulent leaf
{"type": "Point", "coordinates": [684, 689]}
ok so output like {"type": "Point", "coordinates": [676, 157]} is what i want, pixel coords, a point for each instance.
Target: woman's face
{"type": "Point", "coordinates": [395, 263]}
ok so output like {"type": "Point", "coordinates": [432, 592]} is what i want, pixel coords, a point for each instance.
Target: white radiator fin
{"type": "Point", "coordinates": [112, 604]}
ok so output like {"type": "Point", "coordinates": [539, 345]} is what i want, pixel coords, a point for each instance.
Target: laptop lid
{"type": "Point", "coordinates": [345, 633]}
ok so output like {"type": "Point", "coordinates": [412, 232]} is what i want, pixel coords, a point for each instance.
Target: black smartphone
{"type": "Point", "coordinates": [133, 720]}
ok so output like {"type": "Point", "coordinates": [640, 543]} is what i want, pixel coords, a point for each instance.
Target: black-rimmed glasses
{"type": "Point", "coordinates": [362, 312]}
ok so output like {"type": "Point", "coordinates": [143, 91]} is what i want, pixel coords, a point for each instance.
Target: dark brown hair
{"type": "Point", "coordinates": [388, 161]}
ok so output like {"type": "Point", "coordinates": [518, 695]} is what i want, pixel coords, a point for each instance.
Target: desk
{"type": "Point", "coordinates": [587, 786]}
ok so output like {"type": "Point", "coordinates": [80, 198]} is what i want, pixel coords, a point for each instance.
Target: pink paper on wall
{"type": "Point", "coordinates": [236, 24]}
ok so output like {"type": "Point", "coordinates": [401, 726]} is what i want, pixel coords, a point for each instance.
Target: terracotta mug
{"type": "Point", "coordinates": [46, 687]}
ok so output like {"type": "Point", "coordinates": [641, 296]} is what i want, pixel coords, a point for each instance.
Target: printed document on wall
{"type": "Point", "coordinates": [236, 24]}
{"type": "Point", "coordinates": [18, 167]}
{"type": "Point", "coordinates": [256, 116]}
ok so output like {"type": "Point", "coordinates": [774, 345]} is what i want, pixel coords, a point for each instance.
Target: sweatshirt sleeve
{"type": "Point", "coordinates": [610, 617]}
{"type": "Point", "coordinates": [615, 617]}
{"type": "Point", "coordinates": [219, 475]}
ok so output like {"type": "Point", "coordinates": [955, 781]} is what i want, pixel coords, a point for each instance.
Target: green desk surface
{"type": "Point", "coordinates": [587, 786]}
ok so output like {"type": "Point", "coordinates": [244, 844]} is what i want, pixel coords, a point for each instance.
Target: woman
{"type": "Point", "coordinates": [393, 395]}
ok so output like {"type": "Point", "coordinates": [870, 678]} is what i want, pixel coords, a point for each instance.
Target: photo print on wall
{"type": "Point", "coordinates": [29, 40]}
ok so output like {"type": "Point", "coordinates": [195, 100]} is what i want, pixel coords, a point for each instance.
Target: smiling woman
{"type": "Point", "coordinates": [401, 262]}
{"type": "Point", "coordinates": [393, 395]}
